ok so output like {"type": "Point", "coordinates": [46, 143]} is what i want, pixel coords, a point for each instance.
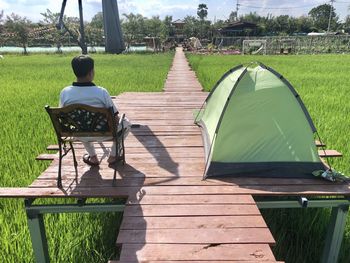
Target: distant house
{"type": "Point", "coordinates": [238, 28]}
{"type": "Point", "coordinates": [179, 25]}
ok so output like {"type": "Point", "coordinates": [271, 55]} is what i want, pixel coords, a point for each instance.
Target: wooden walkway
{"type": "Point", "coordinates": [193, 226]}
{"type": "Point", "coordinates": [172, 215]}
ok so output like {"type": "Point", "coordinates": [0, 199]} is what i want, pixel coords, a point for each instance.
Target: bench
{"type": "Point", "coordinates": [94, 124]}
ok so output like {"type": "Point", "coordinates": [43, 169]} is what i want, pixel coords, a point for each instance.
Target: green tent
{"type": "Point", "coordinates": [255, 124]}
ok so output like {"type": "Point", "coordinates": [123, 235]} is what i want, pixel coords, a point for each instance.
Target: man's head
{"type": "Point", "coordinates": [83, 67]}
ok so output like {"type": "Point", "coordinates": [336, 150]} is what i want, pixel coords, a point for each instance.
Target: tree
{"type": "Point", "coordinates": [168, 29]}
{"type": "Point", "coordinates": [320, 17]}
{"type": "Point", "coordinates": [346, 25]}
{"type": "Point", "coordinates": [97, 21]}
{"type": "Point", "coordinates": [94, 30]}
{"type": "Point", "coordinates": [1, 19]}
{"type": "Point", "coordinates": [253, 17]}
{"type": "Point", "coordinates": [1, 23]}
{"type": "Point", "coordinates": [20, 27]}
{"type": "Point", "coordinates": [2, 38]}
{"type": "Point", "coordinates": [153, 26]}
{"type": "Point", "coordinates": [304, 24]}
{"type": "Point", "coordinates": [133, 27]}
{"type": "Point", "coordinates": [202, 11]}
{"type": "Point", "coordinates": [191, 27]}
{"type": "Point", "coordinates": [52, 34]}
{"type": "Point", "coordinates": [203, 25]}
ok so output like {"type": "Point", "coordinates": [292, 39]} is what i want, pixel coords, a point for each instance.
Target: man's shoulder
{"type": "Point", "coordinates": [67, 88]}
{"type": "Point", "coordinates": [101, 88]}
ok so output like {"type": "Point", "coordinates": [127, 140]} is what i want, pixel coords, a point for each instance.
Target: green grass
{"type": "Point", "coordinates": [323, 83]}
{"type": "Point", "coordinates": [27, 83]}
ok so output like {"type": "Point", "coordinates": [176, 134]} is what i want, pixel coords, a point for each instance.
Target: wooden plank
{"type": "Point", "coordinates": [164, 133]}
{"type": "Point", "coordinates": [169, 169]}
{"type": "Point", "coordinates": [151, 96]}
{"type": "Point", "coordinates": [190, 199]}
{"type": "Point", "coordinates": [298, 190]}
{"type": "Point", "coordinates": [164, 98]}
{"type": "Point", "coordinates": [179, 123]}
{"type": "Point", "coordinates": [178, 90]}
{"type": "Point", "coordinates": [104, 178]}
{"type": "Point", "coordinates": [194, 261]}
{"type": "Point", "coordinates": [162, 141]}
{"type": "Point", "coordinates": [319, 144]}
{"type": "Point", "coordinates": [26, 192]}
{"type": "Point", "coordinates": [191, 151]}
{"type": "Point", "coordinates": [191, 93]}
{"type": "Point", "coordinates": [196, 236]}
{"type": "Point", "coordinates": [46, 157]}
{"type": "Point", "coordinates": [199, 253]}
{"type": "Point", "coordinates": [191, 210]}
{"type": "Point", "coordinates": [194, 222]}
{"type": "Point", "coordinates": [48, 179]}
{"type": "Point", "coordinates": [132, 95]}
{"type": "Point", "coordinates": [53, 147]}
{"type": "Point", "coordinates": [166, 141]}
{"type": "Point", "coordinates": [162, 128]}
{"type": "Point", "coordinates": [187, 86]}
{"type": "Point", "coordinates": [329, 153]}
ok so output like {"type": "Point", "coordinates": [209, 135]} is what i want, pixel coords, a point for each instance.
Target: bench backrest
{"type": "Point", "coordinates": [80, 120]}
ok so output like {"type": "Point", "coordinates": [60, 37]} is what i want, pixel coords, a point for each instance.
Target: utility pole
{"type": "Point", "coordinates": [237, 8]}
{"type": "Point", "coordinates": [330, 16]}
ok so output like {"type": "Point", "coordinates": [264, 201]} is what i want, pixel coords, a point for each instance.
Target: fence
{"type": "Point", "coordinates": [292, 44]}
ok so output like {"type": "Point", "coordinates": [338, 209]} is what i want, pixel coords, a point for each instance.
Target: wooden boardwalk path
{"type": "Point", "coordinates": [171, 214]}
{"type": "Point", "coordinates": [193, 226]}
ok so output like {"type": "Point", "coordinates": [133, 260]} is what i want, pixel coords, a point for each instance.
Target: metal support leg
{"type": "Point", "coordinates": [335, 234]}
{"type": "Point", "coordinates": [38, 237]}
{"type": "Point", "coordinates": [59, 178]}
{"type": "Point", "coordinates": [36, 225]}
{"type": "Point", "coordinates": [115, 165]}
{"type": "Point", "coordinates": [75, 162]}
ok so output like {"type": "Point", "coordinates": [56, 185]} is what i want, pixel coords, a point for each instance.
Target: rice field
{"type": "Point", "coordinates": [27, 83]}
{"type": "Point", "coordinates": [323, 82]}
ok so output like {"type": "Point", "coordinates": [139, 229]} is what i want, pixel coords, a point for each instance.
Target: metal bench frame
{"type": "Point", "coordinates": [36, 225]}
{"type": "Point", "coordinates": [79, 120]}
{"type": "Point", "coordinates": [336, 225]}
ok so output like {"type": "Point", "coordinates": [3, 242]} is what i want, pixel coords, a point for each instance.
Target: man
{"type": "Point", "coordinates": [84, 91]}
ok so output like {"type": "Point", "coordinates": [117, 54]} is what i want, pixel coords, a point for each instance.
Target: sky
{"type": "Point", "coordinates": [177, 8]}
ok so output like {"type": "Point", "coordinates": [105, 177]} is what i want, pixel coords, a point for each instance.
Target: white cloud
{"type": "Point", "coordinates": [176, 8]}
{"type": "Point", "coordinates": [157, 7]}
{"type": "Point", "coordinates": [3, 5]}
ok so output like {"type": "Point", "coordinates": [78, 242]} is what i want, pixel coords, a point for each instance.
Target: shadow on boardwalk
{"type": "Point", "coordinates": [131, 182]}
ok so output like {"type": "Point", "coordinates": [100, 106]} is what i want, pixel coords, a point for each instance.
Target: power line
{"type": "Point", "coordinates": [277, 8]}
{"type": "Point", "coordinates": [288, 7]}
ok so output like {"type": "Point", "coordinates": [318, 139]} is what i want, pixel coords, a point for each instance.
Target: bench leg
{"type": "Point", "coordinates": [75, 162]}
{"type": "Point", "coordinates": [335, 234]}
{"type": "Point", "coordinates": [59, 178]}
{"type": "Point", "coordinates": [115, 168]}
{"type": "Point", "coordinates": [38, 237]}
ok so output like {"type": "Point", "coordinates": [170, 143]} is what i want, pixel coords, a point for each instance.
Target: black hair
{"type": "Point", "coordinates": [82, 65]}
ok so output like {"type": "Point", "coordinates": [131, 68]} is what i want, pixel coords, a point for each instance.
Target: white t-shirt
{"type": "Point", "coordinates": [88, 94]}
